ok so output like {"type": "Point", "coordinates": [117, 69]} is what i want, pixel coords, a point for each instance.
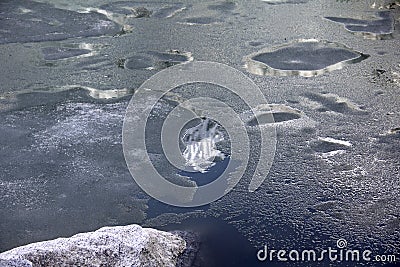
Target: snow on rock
{"type": "Point", "coordinates": [129, 245]}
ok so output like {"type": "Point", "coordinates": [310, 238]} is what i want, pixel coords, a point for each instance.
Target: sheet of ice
{"type": "Point", "coordinates": [380, 28]}
{"type": "Point", "coordinates": [306, 199]}
{"type": "Point", "coordinates": [30, 21]}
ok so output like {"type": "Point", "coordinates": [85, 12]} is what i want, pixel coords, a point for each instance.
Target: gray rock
{"type": "Point", "coordinates": [188, 257]}
{"type": "Point", "coordinates": [15, 263]}
{"type": "Point", "coordinates": [129, 245]}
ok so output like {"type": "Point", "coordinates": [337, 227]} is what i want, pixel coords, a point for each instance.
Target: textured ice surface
{"type": "Point", "coordinates": [137, 9]}
{"type": "Point", "coordinates": [280, 2]}
{"type": "Point", "coordinates": [328, 146]}
{"type": "Point", "coordinates": [55, 94]}
{"type": "Point", "coordinates": [201, 21]}
{"type": "Point", "coordinates": [389, 75]}
{"type": "Point", "coordinates": [226, 6]}
{"type": "Point", "coordinates": [212, 14]}
{"type": "Point", "coordinates": [280, 113]}
{"type": "Point", "coordinates": [64, 159]}
{"type": "Point", "coordinates": [30, 21]}
{"type": "Point", "coordinates": [380, 28]}
{"type": "Point", "coordinates": [304, 58]}
{"type": "Point", "coordinates": [153, 60]}
{"type": "Point", "coordinates": [328, 102]}
{"type": "Point", "coordinates": [85, 124]}
{"type": "Point", "coordinates": [54, 53]}
{"type": "Point", "coordinates": [125, 13]}
{"type": "Point", "coordinates": [67, 51]}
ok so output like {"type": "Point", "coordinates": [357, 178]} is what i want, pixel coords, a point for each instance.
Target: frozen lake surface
{"type": "Point", "coordinates": [70, 68]}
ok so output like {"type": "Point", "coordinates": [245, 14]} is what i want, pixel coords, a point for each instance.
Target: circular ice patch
{"type": "Point", "coordinates": [303, 58]}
